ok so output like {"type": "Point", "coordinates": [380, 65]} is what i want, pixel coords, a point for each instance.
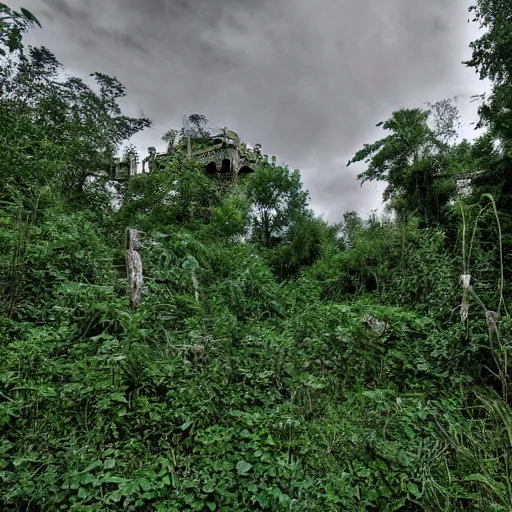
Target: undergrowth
{"type": "Point", "coordinates": [275, 362]}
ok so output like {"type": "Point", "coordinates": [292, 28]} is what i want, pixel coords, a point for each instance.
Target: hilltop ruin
{"type": "Point", "coordinates": [221, 154]}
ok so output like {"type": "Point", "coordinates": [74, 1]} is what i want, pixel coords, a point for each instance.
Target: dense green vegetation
{"type": "Point", "coordinates": [275, 362]}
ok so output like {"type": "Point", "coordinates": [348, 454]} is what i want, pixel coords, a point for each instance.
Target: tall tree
{"type": "Point", "coordinates": [492, 59]}
{"type": "Point", "coordinates": [58, 131]}
{"type": "Point", "coordinates": [413, 161]}
{"type": "Point", "coordinates": [278, 200]}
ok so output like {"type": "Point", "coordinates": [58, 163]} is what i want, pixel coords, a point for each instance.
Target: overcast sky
{"type": "Point", "coordinates": [308, 79]}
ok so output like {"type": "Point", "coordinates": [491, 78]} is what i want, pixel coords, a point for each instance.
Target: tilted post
{"type": "Point", "coordinates": [134, 267]}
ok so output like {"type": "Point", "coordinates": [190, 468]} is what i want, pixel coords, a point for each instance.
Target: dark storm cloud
{"type": "Point", "coordinates": [95, 33]}
{"type": "Point", "coordinates": [307, 79]}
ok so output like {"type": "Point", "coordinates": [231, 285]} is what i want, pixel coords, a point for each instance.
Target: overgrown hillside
{"type": "Point", "coordinates": [274, 362]}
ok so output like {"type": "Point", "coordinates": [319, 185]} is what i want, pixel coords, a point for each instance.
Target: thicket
{"type": "Point", "coordinates": [275, 362]}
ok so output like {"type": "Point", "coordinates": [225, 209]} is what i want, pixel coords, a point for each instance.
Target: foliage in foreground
{"type": "Point", "coordinates": [275, 363]}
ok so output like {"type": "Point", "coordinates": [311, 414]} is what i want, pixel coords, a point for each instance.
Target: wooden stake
{"type": "Point", "coordinates": [134, 267]}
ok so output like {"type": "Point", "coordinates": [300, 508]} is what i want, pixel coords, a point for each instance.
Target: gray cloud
{"type": "Point", "coordinates": [309, 80]}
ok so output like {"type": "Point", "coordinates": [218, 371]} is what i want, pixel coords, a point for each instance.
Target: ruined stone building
{"type": "Point", "coordinates": [220, 154]}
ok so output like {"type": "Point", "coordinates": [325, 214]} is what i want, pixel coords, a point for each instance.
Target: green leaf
{"type": "Point", "coordinates": [413, 489]}
{"type": "Point", "coordinates": [118, 397]}
{"type": "Point", "coordinates": [129, 488]}
{"type": "Point", "coordinates": [109, 463]}
{"type": "Point", "coordinates": [88, 479]}
{"type": "Point", "coordinates": [186, 425]}
{"type": "Point", "coordinates": [83, 493]}
{"type": "Point", "coordinates": [115, 480]}
{"type": "Point", "coordinates": [243, 467]}
{"type": "Point", "coordinates": [30, 17]}
{"type": "Point", "coordinates": [93, 465]}
{"type": "Point", "coordinates": [209, 486]}
{"type": "Point", "coordinates": [190, 263]}
{"type": "Point", "coordinates": [262, 499]}
{"type": "Point", "coordinates": [145, 484]}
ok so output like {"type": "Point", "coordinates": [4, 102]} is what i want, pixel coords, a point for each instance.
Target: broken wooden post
{"type": "Point", "coordinates": [466, 286]}
{"type": "Point", "coordinates": [134, 267]}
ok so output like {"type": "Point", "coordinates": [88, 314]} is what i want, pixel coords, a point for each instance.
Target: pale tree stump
{"type": "Point", "coordinates": [134, 267]}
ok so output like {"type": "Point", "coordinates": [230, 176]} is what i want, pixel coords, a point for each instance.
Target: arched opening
{"type": "Point", "coordinates": [245, 169]}
{"type": "Point", "coordinates": [226, 165]}
{"type": "Point", "coordinates": [211, 168]}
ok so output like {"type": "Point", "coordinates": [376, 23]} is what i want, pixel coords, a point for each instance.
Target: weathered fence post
{"type": "Point", "coordinates": [134, 267]}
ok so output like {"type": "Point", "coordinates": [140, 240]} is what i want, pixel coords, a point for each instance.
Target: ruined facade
{"type": "Point", "coordinates": [227, 155]}
{"type": "Point", "coordinates": [220, 154]}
